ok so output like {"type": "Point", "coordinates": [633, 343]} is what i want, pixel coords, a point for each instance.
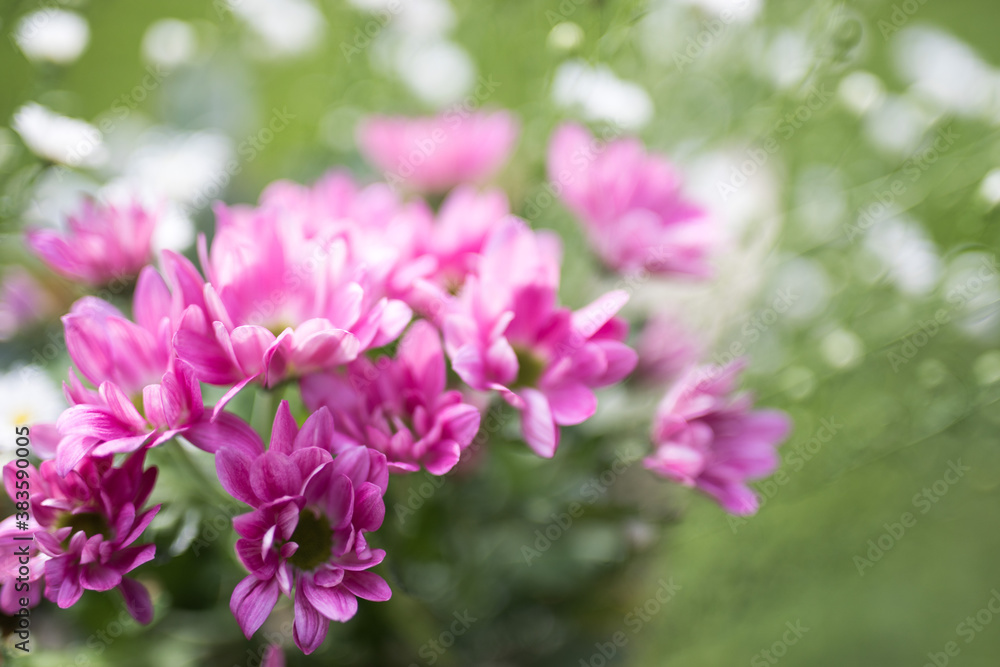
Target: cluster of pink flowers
{"type": "Point", "coordinates": [362, 300]}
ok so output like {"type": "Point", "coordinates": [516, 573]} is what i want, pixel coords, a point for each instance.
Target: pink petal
{"type": "Point", "coordinates": [367, 585]}
{"type": "Point", "coordinates": [310, 627]}
{"type": "Point", "coordinates": [284, 430]}
{"type": "Point", "coordinates": [152, 299]}
{"type": "Point", "coordinates": [326, 350]}
{"type": "Point", "coordinates": [96, 577]}
{"type": "Point", "coordinates": [571, 404]}
{"type": "Point", "coordinates": [137, 600]}
{"type": "Point", "coordinates": [225, 430]}
{"type": "Point", "coordinates": [274, 475]}
{"type": "Point", "coordinates": [369, 508]}
{"type": "Point", "coordinates": [252, 602]}
{"type": "Point", "coordinates": [588, 320]}
{"type": "Point", "coordinates": [539, 428]}
{"type": "Point", "coordinates": [317, 431]}
{"type": "Point", "coordinates": [233, 468]}
{"type": "Point", "coordinates": [333, 603]}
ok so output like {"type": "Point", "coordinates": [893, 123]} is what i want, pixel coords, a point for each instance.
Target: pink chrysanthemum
{"type": "Point", "coordinates": [306, 534]}
{"type": "Point", "coordinates": [102, 243]}
{"type": "Point", "coordinates": [507, 333]}
{"type": "Point", "coordinates": [706, 437]}
{"type": "Point", "coordinates": [436, 153]}
{"type": "Point", "coordinates": [630, 204]}
{"type": "Point", "coordinates": [399, 406]}
{"type": "Point", "coordinates": [87, 522]}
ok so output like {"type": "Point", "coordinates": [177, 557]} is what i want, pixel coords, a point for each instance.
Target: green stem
{"type": "Point", "coordinates": [265, 406]}
{"type": "Point", "coordinates": [204, 485]}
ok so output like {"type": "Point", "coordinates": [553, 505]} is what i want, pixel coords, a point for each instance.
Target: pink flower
{"type": "Point", "coordinates": [284, 299]}
{"type": "Point", "coordinates": [109, 423]}
{"type": "Point", "coordinates": [106, 422]}
{"type": "Point", "coordinates": [13, 554]}
{"type": "Point", "coordinates": [103, 243]}
{"type": "Point", "coordinates": [87, 523]}
{"type": "Point", "coordinates": [273, 657]}
{"type": "Point", "coordinates": [464, 223]}
{"type": "Point", "coordinates": [24, 302]}
{"type": "Point", "coordinates": [436, 153]}
{"type": "Point", "coordinates": [306, 531]}
{"type": "Point", "coordinates": [399, 406]}
{"type": "Point", "coordinates": [630, 204]}
{"type": "Point", "coordinates": [374, 228]}
{"type": "Point", "coordinates": [708, 438]}
{"type": "Point", "coordinates": [107, 346]}
{"type": "Point", "coordinates": [666, 349]}
{"type": "Point", "coordinates": [507, 333]}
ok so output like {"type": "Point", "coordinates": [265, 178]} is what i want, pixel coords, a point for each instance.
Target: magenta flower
{"type": "Point", "coordinates": [666, 349]}
{"type": "Point", "coordinates": [706, 437]}
{"type": "Point", "coordinates": [306, 531]}
{"type": "Point", "coordinates": [108, 423]}
{"type": "Point", "coordinates": [433, 154]}
{"type": "Point", "coordinates": [370, 225]}
{"type": "Point", "coordinates": [14, 554]}
{"type": "Point", "coordinates": [87, 523]}
{"type": "Point", "coordinates": [507, 333]}
{"type": "Point", "coordinates": [106, 346]}
{"type": "Point", "coordinates": [280, 303]}
{"type": "Point", "coordinates": [630, 204]}
{"type": "Point", "coordinates": [398, 406]}
{"type": "Point", "coordinates": [466, 219]}
{"type": "Point", "coordinates": [24, 302]}
{"type": "Point", "coordinates": [103, 243]}
{"type": "Point", "coordinates": [273, 657]}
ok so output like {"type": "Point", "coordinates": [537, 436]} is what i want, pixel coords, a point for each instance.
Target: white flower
{"type": "Point", "coordinates": [28, 396]}
{"type": "Point", "coordinates": [287, 27]}
{"type": "Point", "coordinates": [53, 35]}
{"type": "Point", "coordinates": [600, 95]}
{"type": "Point", "coordinates": [743, 11]}
{"type": "Point", "coordinates": [169, 43]}
{"type": "Point", "coordinates": [439, 72]}
{"type": "Point", "coordinates": [69, 141]}
{"type": "Point", "coordinates": [186, 168]}
{"type": "Point", "coordinates": [946, 71]}
{"type": "Point", "coordinates": [907, 253]}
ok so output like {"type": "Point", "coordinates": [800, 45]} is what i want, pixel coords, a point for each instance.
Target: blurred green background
{"type": "Point", "coordinates": [793, 122]}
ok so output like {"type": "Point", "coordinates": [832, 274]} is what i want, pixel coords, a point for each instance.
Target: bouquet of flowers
{"type": "Point", "coordinates": [336, 339]}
